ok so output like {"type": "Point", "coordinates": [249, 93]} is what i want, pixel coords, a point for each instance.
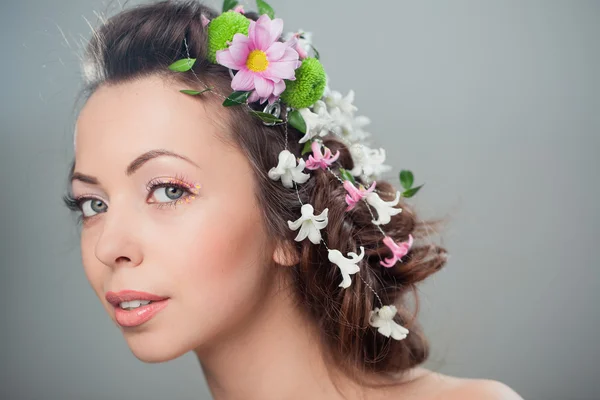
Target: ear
{"type": "Point", "coordinates": [285, 254]}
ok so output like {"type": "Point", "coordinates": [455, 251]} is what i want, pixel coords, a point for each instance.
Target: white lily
{"type": "Point", "coordinates": [367, 161]}
{"type": "Point", "coordinates": [383, 319]}
{"type": "Point", "coordinates": [288, 171]}
{"type": "Point", "coordinates": [318, 121]}
{"type": "Point", "coordinates": [385, 209]}
{"type": "Point", "coordinates": [335, 99]}
{"type": "Point", "coordinates": [347, 266]}
{"type": "Point", "coordinates": [309, 224]}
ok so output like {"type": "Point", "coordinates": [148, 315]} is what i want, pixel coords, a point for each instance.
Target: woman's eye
{"type": "Point", "coordinates": [91, 207]}
{"type": "Point", "coordinates": [168, 194]}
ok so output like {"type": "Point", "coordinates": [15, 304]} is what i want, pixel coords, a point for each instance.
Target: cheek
{"type": "Point", "coordinates": [223, 261]}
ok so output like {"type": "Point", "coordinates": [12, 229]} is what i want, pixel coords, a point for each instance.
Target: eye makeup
{"type": "Point", "coordinates": [190, 192]}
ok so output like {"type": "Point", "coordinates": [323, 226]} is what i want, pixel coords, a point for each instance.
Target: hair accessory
{"type": "Point", "coordinates": [309, 224]}
{"type": "Point", "coordinates": [285, 71]}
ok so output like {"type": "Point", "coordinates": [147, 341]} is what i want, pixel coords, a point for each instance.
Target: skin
{"type": "Point", "coordinates": [211, 256]}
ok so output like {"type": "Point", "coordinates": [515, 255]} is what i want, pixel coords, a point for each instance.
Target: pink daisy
{"type": "Point", "coordinates": [261, 60]}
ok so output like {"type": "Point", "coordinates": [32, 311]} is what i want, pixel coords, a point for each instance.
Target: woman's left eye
{"type": "Point", "coordinates": [167, 194]}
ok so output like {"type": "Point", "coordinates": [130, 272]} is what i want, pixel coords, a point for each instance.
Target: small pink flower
{"type": "Point", "coordinates": [299, 48]}
{"type": "Point", "coordinates": [355, 195]}
{"type": "Point", "coordinates": [319, 160]}
{"type": "Point", "coordinates": [261, 60]}
{"type": "Point", "coordinates": [205, 21]}
{"type": "Point", "coordinates": [399, 250]}
{"type": "Point", "coordinates": [239, 9]}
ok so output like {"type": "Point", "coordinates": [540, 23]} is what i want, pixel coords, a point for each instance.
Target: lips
{"type": "Point", "coordinates": [139, 315]}
{"type": "Point", "coordinates": [128, 295]}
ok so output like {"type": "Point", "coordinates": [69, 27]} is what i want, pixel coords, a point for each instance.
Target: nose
{"type": "Point", "coordinates": [119, 244]}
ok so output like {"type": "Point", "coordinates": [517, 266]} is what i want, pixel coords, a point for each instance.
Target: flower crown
{"type": "Point", "coordinates": [288, 74]}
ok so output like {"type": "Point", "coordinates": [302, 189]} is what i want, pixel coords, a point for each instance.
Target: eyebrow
{"type": "Point", "coordinates": [134, 165]}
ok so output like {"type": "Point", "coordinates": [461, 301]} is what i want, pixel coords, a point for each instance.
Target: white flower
{"type": "Point", "coordinates": [288, 171]}
{"type": "Point", "coordinates": [318, 123]}
{"type": "Point", "coordinates": [347, 265]}
{"type": "Point", "coordinates": [385, 209]}
{"type": "Point", "coordinates": [304, 45]}
{"type": "Point", "coordinates": [309, 224]}
{"type": "Point", "coordinates": [335, 100]}
{"type": "Point", "coordinates": [367, 161]}
{"type": "Point", "coordinates": [348, 126]}
{"type": "Point", "coordinates": [383, 319]}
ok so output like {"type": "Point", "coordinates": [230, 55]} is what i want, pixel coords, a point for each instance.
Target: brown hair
{"type": "Point", "coordinates": [143, 41]}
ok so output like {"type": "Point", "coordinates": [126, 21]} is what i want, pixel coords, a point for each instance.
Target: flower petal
{"type": "Point", "coordinates": [264, 87]}
{"type": "Point", "coordinates": [239, 53]}
{"type": "Point", "coordinates": [262, 37]}
{"type": "Point", "coordinates": [276, 51]}
{"type": "Point", "coordinates": [282, 70]}
{"type": "Point", "coordinates": [279, 88]}
{"type": "Point", "coordinates": [243, 80]}
{"type": "Point", "coordinates": [224, 58]}
{"type": "Point", "coordinates": [275, 29]}
{"type": "Point", "coordinates": [253, 97]}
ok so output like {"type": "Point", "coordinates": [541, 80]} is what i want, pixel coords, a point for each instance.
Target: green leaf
{"type": "Point", "coordinates": [265, 8]}
{"type": "Point", "coordinates": [411, 192]}
{"type": "Point", "coordinates": [236, 98]}
{"type": "Point", "coordinates": [347, 176]}
{"type": "Point", "coordinates": [266, 117]}
{"type": "Point", "coordinates": [406, 179]}
{"type": "Point", "coordinates": [296, 120]}
{"type": "Point", "coordinates": [306, 148]}
{"type": "Point", "coordinates": [185, 64]}
{"type": "Point", "coordinates": [229, 5]}
{"type": "Point", "coordinates": [194, 92]}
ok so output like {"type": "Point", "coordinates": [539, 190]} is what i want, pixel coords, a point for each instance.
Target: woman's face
{"type": "Point", "coordinates": [169, 210]}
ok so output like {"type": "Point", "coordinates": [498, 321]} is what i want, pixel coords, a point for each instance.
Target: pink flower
{"type": "Point", "coordinates": [399, 250]}
{"type": "Point", "coordinates": [318, 160]}
{"type": "Point", "coordinates": [205, 21]}
{"type": "Point", "coordinates": [261, 60]}
{"type": "Point", "coordinates": [239, 9]}
{"type": "Point", "coordinates": [355, 195]}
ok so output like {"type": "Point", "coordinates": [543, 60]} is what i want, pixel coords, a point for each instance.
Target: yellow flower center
{"type": "Point", "coordinates": [257, 61]}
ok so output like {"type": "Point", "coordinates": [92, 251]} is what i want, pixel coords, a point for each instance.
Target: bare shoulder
{"type": "Point", "coordinates": [424, 384]}
{"type": "Point", "coordinates": [483, 389]}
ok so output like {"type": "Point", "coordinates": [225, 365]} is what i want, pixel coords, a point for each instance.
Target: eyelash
{"type": "Point", "coordinates": [180, 182]}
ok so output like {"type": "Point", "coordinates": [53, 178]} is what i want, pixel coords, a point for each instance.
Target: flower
{"type": "Point", "coordinates": [318, 122]}
{"type": "Point", "coordinates": [261, 60]}
{"type": "Point", "coordinates": [347, 265]}
{"type": "Point", "coordinates": [304, 43]}
{"type": "Point", "coordinates": [288, 171]}
{"type": "Point", "coordinates": [239, 9]}
{"type": "Point", "coordinates": [355, 195]}
{"type": "Point", "coordinates": [309, 224]}
{"type": "Point", "coordinates": [205, 21]}
{"type": "Point", "coordinates": [385, 209]}
{"type": "Point", "coordinates": [367, 161]}
{"type": "Point", "coordinates": [309, 85]}
{"type": "Point", "coordinates": [335, 100]}
{"type": "Point", "coordinates": [383, 319]}
{"type": "Point", "coordinates": [319, 160]}
{"type": "Point", "coordinates": [399, 250]}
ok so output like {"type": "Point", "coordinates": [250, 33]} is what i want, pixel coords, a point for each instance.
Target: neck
{"type": "Point", "coordinates": [276, 354]}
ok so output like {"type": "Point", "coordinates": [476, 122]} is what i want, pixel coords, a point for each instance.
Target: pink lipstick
{"type": "Point", "coordinates": [139, 306]}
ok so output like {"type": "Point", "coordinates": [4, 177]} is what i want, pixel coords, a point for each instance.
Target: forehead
{"type": "Point", "coordinates": [134, 117]}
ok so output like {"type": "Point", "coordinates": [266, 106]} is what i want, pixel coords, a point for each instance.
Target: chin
{"type": "Point", "coordinates": [149, 347]}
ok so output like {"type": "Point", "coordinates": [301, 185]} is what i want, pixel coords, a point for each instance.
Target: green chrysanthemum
{"type": "Point", "coordinates": [222, 29]}
{"type": "Point", "coordinates": [308, 87]}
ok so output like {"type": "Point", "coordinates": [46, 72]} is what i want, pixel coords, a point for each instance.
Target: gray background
{"type": "Point", "coordinates": [493, 104]}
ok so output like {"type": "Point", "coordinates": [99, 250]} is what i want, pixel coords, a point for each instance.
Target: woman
{"type": "Point", "coordinates": [229, 208]}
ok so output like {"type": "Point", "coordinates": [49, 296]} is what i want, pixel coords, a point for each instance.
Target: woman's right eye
{"type": "Point", "coordinates": [91, 207]}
